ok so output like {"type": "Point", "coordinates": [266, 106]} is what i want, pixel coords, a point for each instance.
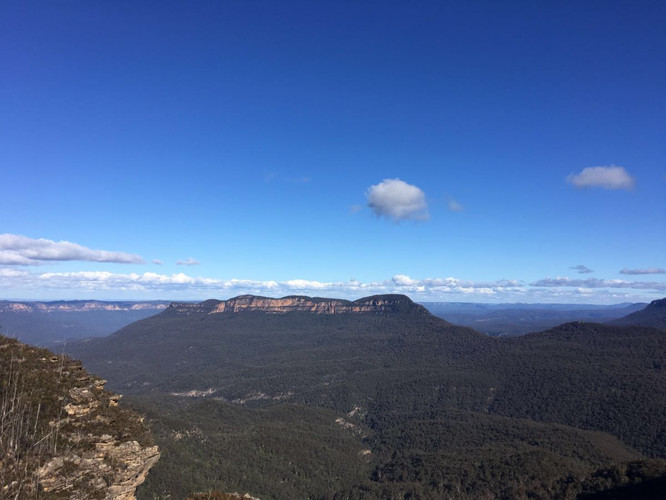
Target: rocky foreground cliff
{"type": "Point", "coordinates": [62, 435]}
{"type": "Point", "coordinates": [391, 303]}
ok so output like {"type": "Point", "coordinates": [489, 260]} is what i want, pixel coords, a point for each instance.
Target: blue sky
{"type": "Point", "coordinates": [452, 151]}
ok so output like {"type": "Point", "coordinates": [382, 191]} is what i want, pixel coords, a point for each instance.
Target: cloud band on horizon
{"type": "Point", "coordinates": [422, 289]}
{"type": "Point", "coordinates": [649, 270]}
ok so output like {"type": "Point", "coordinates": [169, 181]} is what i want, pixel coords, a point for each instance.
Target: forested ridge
{"type": "Point", "coordinates": [365, 405]}
{"type": "Point", "coordinates": [653, 315]}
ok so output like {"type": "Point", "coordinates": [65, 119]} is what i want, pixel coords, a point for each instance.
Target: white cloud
{"type": "Point", "coordinates": [21, 250]}
{"type": "Point", "coordinates": [649, 270]}
{"type": "Point", "coordinates": [188, 262]}
{"type": "Point", "coordinates": [397, 200]}
{"type": "Point", "coordinates": [96, 280]}
{"type": "Point", "coordinates": [158, 262]}
{"type": "Point", "coordinates": [402, 280]}
{"type": "Point", "coordinates": [13, 273]}
{"type": "Point", "coordinates": [599, 283]}
{"type": "Point", "coordinates": [180, 286]}
{"type": "Point", "coordinates": [103, 280]}
{"type": "Point", "coordinates": [453, 285]}
{"type": "Point", "coordinates": [604, 177]}
{"type": "Point", "coordinates": [454, 206]}
{"type": "Point", "coordinates": [582, 269]}
{"type": "Point", "coordinates": [306, 285]}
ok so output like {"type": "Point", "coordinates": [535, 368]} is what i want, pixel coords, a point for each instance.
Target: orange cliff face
{"type": "Point", "coordinates": [285, 304]}
{"type": "Point", "coordinates": [374, 304]}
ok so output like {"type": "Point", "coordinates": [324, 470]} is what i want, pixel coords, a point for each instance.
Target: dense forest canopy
{"type": "Point", "coordinates": [387, 404]}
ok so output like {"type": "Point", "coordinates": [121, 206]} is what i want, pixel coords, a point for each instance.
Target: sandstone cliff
{"type": "Point", "coordinates": [374, 304]}
{"type": "Point", "coordinates": [61, 434]}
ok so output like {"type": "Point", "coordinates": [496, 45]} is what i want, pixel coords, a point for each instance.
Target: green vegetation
{"type": "Point", "coordinates": [216, 495]}
{"type": "Point", "coordinates": [428, 409]}
{"type": "Point", "coordinates": [291, 451]}
{"type": "Point", "coordinates": [653, 315]}
{"type": "Point", "coordinates": [282, 451]}
{"type": "Point", "coordinates": [519, 319]}
{"type": "Point", "coordinates": [38, 390]}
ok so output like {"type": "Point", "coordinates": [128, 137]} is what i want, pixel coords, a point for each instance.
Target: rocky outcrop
{"type": "Point", "coordinates": [63, 435]}
{"type": "Point", "coordinates": [111, 470]}
{"type": "Point", "coordinates": [374, 304]}
{"type": "Point", "coordinates": [216, 495]}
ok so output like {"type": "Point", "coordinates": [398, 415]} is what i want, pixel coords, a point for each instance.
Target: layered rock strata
{"type": "Point", "coordinates": [63, 435]}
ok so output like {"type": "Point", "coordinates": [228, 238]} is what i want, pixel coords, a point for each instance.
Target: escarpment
{"type": "Point", "coordinates": [62, 435]}
{"type": "Point", "coordinates": [392, 303]}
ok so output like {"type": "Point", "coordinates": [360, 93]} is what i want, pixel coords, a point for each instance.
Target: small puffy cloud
{"type": "Point", "coordinates": [23, 251]}
{"type": "Point", "coordinates": [397, 200]}
{"type": "Point", "coordinates": [188, 262]}
{"type": "Point", "coordinates": [604, 177]}
{"type": "Point", "coordinates": [649, 270]}
{"type": "Point", "coordinates": [402, 280]}
{"type": "Point", "coordinates": [158, 262]}
{"type": "Point", "coordinates": [582, 269]}
{"type": "Point", "coordinates": [454, 206]}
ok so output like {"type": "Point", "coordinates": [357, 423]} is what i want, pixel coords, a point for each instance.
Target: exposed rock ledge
{"type": "Point", "coordinates": [63, 435]}
{"type": "Point", "coordinates": [374, 304]}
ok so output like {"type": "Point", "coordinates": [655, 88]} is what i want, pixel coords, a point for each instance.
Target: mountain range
{"type": "Point", "coordinates": [519, 319]}
{"type": "Point", "coordinates": [653, 315]}
{"type": "Point", "coordinates": [48, 324]}
{"type": "Point", "coordinates": [377, 398]}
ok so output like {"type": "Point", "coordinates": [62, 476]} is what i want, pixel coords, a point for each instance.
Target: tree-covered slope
{"type": "Point", "coordinates": [443, 411]}
{"type": "Point", "coordinates": [311, 356]}
{"type": "Point", "coordinates": [519, 319]}
{"type": "Point", "coordinates": [590, 376]}
{"type": "Point", "coordinates": [654, 315]}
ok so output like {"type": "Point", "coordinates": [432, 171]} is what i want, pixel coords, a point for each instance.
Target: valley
{"type": "Point", "coordinates": [386, 403]}
{"type": "Point", "coordinates": [49, 324]}
{"type": "Point", "coordinates": [333, 250]}
{"type": "Point", "coordinates": [519, 319]}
